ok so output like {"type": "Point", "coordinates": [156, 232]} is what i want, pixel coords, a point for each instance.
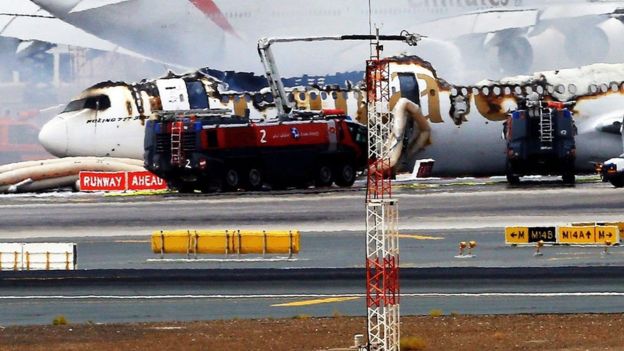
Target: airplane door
{"type": "Point", "coordinates": [173, 95]}
{"type": "Point", "coordinates": [196, 95]}
{"type": "Point", "coordinates": [409, 87]}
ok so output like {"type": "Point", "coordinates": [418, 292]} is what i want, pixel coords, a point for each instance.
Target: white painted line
{"type": "Point", "coordinates": [292, 296]}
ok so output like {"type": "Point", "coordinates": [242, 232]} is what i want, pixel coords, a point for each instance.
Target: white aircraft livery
{"type": "Point", "coordinates": [459, 126]}
{"type": "Point", "coordinates": [466, 37]}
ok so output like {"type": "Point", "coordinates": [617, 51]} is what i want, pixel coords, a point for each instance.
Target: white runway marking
{"type": "Point", "coordinates": [293, 296]}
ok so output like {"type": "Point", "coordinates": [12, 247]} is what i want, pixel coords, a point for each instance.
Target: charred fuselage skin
{"type": "Point", "coordinates": [463, 123]}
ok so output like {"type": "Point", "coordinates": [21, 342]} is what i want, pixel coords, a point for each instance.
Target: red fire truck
{"type": "Point", "coordinates": [211, 150]}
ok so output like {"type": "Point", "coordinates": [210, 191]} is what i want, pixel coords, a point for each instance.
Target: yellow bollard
{"type": "Point", "coordinates": [606, 248]}
{"type": "Point", "coordinates": [471, 245]}
{"type": "Point", "coordinates": [538, 247]}
{"type": "Point", "coordinates": [462, 247]}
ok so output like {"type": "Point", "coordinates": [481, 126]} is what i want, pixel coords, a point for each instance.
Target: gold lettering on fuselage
{"type": "Point", "coordinates": [431, 93]}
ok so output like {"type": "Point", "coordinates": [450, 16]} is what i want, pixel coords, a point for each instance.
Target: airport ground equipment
{"type": "Point", "coordinates": [226, 242]}
{"type": "Point", "coordinates": [38, 256]}
{"type": "Point", "coordinates": [540, 140]}
{"type": "Point", "coordinates": [612, 171]}
{"type": "Point", "coordinates": [272, 73]}
{"type": "Point", "coordinates": [210, 149]}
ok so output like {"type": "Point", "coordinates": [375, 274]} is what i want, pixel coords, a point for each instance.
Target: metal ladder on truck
{"type": "Point", "coordinates": [176, 143]}
{"type": "Point", "coordinates": [546, 128]}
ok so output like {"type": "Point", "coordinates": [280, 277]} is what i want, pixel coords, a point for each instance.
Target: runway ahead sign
{"type": "Point", "coordinates": [120, 181]}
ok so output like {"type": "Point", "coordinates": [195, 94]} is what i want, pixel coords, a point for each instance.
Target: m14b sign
{"type": "Point", "coordinates": [120, 181]}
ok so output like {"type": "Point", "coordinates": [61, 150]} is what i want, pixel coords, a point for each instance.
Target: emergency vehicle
{"type": "Point", "coordinates": [540, 141]}
{"type": "Point", "coordinates": [212, 150]}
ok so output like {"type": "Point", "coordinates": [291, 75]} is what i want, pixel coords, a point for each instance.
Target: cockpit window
{"type": "Point", "coordinates": [99, 102]}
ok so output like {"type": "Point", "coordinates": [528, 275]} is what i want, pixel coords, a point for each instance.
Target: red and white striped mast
{"type": "Point", "coordinates": [382, 212]}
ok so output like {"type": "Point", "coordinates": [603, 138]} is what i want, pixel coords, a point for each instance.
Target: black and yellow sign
{"type": "Point", "coordinates": [526, 235]}
{"type": "Point", "coordinates": [516, 235]}
{"type": "Point", "coordinates": [607, 234]}
{"type": "Point", "coordinates": [545, 234]}
{"type": "Point", "coordinates": [576, 235]}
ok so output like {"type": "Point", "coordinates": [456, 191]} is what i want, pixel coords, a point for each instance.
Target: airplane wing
{"type": "Point", "coordinates": [491, 21]}
{"type": "Point", "coordinates": [23, 20]}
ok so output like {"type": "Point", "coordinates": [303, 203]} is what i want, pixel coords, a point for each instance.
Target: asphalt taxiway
{"type": "Point", "coordinates": [112, 233]}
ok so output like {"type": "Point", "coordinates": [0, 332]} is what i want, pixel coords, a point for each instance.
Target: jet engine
{"type": "Point", "coordinates": [512, 51]}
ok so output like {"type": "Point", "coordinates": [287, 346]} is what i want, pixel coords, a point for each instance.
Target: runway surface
{"type": "Point", "coordinates": [113, 233]}
{"type": "Point", "coordinates": [287, 295]}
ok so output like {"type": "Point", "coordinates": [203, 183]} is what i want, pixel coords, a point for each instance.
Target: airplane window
{"type": "Point", "coordinates": [550, 89]}
{"type": "Point", "coordinates": [518, 90]}
{"type": "Point", "coordinates": [475, 91]}
{"type": "Point", "coordinates": [497, 90]}
{"type": "Point", "coordinates": [464, 91]}
{"type": "Point", "coordinates": [593, 89]}
{"type": "Point", "coordinates": [614, 87]}
{"type": "Point", "coordinates": [572, 89]}
{"type": "Point", "coordinates": [313, 95]}
{"type": "Point", "coordinates": [225, 99]}
{"type": "Point", "coordinates": [302, 96]}
{"type": "Point", "coordinates": [334, 95]}
{"type": "Point", "coordinates": [604, 88]}
{"type": "Point", "coordinates": [268, 97]}
{"type": "Point", "coordinates": [324, 95]}
{"type": "Point", "coordinates": [257, 98]}
{"type": "Point", "coordinates": [507, 91]}
{"type": "Point", "coordinates": [528, 90]}
{"type": "Point", "coordinates": [539, 89]}
{"type": "Point", "coordinates": [454, 92]}
{"type": "Point", "coordinates": [560, 89]}
{"type": "Point", "coordinates": [247, 97]}
{"type": "Point", "coordinates": [99, 102]}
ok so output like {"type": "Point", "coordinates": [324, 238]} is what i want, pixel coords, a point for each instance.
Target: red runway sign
{"type": "Point", "coordinates": [145, 181]}
{"type": "Point", "coordinates": [102, 181]}
{"type": "Point", "coordinates": [120, 181]}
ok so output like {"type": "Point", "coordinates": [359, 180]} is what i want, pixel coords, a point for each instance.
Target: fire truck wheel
{"type": "Point", "coordinates": [345, 175]}
{"type": "Point", "coordinates": [232, 179]}
{"type": "Point", "coordinates": [513, 179]}
{"type": "Point", "coordinates": [324, 176]}
{"type": "Point", "coordinates": [617, 181]}
{"type": "Point", "coordinates": [185, 188]}
{"type": "Point", "coordinates": [254, 179]}
{"type": "Point", "coordinates": [568, 178]}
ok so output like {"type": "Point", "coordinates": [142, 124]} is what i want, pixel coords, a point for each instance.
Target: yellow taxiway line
{"type": "Point", "coordinates": [315, 302]}
{"type": "Point", "coordinates": [420, 237]}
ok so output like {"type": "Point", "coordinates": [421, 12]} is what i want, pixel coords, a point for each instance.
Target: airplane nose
{"type": "Point", "coordinates": [53, 137]}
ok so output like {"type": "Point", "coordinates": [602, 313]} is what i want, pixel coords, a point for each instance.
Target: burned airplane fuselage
{"type": "Point", "coordinates": [458, 126]}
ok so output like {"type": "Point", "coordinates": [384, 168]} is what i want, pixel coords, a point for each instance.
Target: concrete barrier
{"type": "Point", "coordinates": [193, 242]}
{"type": "Point", "coordinates": [37, 256]}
